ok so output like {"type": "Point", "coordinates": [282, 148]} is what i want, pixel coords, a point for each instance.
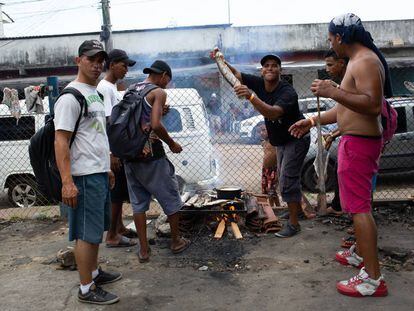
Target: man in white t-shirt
{"type": "Point", "coordinates": [116, 68]}
{"type": "Point", "coordinates": [84, 167]}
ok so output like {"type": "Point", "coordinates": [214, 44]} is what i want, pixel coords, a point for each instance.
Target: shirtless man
{"type": "Point", "coordinates": [357, 113]}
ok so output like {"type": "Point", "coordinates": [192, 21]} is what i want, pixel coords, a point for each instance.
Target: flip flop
{"type": "Point", "coordinates": [182, 248]}
{"type": "Point", "coordinates": [130, 233]}
{"type": "Point", "coordinates": [333, 212]}
{"type": "Point", "coordinates": [124, 242]}
{"type": "Point", "coordinates": [144, 259]}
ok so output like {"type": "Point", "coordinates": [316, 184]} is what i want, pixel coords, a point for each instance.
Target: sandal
{"type": "Point", "coordinates": [123, 242]}
{"type": "Point", "coordinates": [333, 212]}
{"type": "Point", "coordinates": [182, 248]}
{"type": "Point", "coordinates": [130, 233]}
{"type": "Point", "coordinates": [142, 259]}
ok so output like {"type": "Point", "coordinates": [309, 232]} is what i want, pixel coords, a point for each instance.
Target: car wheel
{"type": "Point", "coordinates": [310, 179]}
{"type": "Point", "coordinates": [22, 193]}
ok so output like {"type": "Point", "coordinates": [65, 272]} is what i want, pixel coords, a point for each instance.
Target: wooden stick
{"type": "Point", "coordinates": [220, 229]}
{"type": "Point", "coordinates": [321, 167]}
{"type": "Point", "coordinates": [236, 231]}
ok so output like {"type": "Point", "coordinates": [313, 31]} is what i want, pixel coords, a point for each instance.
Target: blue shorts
{"type": "Point", "coordinates": [92, 216]}
{"type": "Point", "coordinates": [155, 178]}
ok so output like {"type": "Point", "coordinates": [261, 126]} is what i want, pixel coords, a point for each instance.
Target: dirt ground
{"type": "Point", "coordinates": [256, 273]}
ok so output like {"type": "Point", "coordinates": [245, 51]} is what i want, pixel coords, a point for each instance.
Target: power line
{"type": "Point", "coordinates": [33, 13]}
{"type": "Point", "coordinates": [22, 2]}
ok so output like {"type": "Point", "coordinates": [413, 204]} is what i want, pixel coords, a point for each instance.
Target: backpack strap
{"type": "Point", "coordinates": [144, 92]}
{"type": "Point", "coordinates": [100, 95]}
{"type": "Point", "coordinates": [82, 101]}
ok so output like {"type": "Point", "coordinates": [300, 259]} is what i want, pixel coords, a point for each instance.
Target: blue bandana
{"type": "Point", "coordinates": [350, 28]}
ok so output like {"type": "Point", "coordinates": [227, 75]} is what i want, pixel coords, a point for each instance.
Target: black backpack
{"type": "Point", "coordinates": [42, 152]}
{"type": "Point", "coordinates": [126, 137]}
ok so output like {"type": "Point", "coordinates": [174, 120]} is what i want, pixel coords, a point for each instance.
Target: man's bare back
{"type": "Point", "coordinates": [365, 64]}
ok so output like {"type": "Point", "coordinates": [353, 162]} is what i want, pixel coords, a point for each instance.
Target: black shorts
{"type": "Point", "coordinates": [120, 192]}
{"type": "Point", "coordinates": [290, 158]}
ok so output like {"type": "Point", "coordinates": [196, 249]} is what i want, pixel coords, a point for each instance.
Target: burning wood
{"type": "Point", "coordinates": [228, 219]}
{"type": "Point", "coordinates": [220, 229]}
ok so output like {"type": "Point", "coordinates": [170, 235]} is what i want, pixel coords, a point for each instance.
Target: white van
{"type": "Point", "coordinates": [16, 175]}
{"type": "Point", "coordinates": [187, 123]}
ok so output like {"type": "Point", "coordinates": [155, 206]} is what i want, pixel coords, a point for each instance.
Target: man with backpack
{"type": "Point", "coordinates": [148, 170]}
{"type": "Point", "coordinates": [82, 157]}
{"type": "Point", "coordinates": [360, 101]}
{"type": "Point", "coordinates": [116, 68]}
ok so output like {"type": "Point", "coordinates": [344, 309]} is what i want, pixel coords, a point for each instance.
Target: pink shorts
{"type": "Point", "coordinates": [358, 160]}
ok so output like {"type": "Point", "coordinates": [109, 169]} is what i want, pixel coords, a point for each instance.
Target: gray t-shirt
{"type": "Point", "coordinates": [89, 153]}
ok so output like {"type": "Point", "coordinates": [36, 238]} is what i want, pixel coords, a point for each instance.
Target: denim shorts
{"type": "Point", "coordinates": [91, 217]}
{"type": "Point", "coordinates": [154, 178]}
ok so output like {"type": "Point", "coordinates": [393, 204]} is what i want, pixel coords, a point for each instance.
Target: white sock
{"type": "Point", "coordinates": [85, 288]}
{"type": "Point", "coordinates": [95, 273]}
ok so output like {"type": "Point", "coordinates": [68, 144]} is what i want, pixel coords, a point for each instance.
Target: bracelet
{"type": "Point", "coordinates": [312, 121]}
{"type": "Point", "coordinates": [251, 97]}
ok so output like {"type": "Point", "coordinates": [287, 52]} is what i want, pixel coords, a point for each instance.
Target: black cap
{"type": "Point", "coordinates": [91, 48]}
{"type": "Point", "coordinates": [159, 66]}
{"type": "Point", "coordinates": [271, 56]}
{"type": "Point", "coordinates": [117, 55]}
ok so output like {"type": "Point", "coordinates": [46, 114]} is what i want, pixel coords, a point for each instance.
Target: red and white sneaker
{"type": "Point", "coordinates": [362, 285]}
{"type": "Point", "coordinates": [349, 258]}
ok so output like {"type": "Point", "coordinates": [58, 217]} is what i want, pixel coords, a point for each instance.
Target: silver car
{"type": "Point", "coordinates": [398, 156]}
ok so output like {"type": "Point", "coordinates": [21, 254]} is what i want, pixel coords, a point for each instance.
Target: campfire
{"type": "Point", "coordinates": [221, 212]}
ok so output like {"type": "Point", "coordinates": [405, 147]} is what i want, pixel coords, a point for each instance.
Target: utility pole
{"type": "Point", "coordinates": [106, 33]}
{"type": "Point", "coordinates": [228, 11]}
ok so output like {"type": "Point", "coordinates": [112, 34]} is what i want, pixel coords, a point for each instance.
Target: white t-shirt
{"type": "Point", "coordinates": [111, 95]}
{"type": "Point", "coordinates": [89, 153]}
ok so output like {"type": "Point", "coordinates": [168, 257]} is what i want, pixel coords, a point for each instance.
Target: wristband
{"type": "Point", "coordinates": [251, 97]}
{"type": "Point", "coordinates": [312, 121]}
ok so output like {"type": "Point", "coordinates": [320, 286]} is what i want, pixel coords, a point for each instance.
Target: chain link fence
{"type": "Point", "coordinates": [220, 135]}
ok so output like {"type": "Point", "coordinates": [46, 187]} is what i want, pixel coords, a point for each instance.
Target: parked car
{"type": "Point", "coordinates": [186, 121]}
{"type": "Point", "coordinates": [249, 129]}
{"type": "Point", "coordinates": [398, 156]}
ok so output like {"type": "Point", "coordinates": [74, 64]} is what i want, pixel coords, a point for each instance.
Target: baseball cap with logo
{"type": "Point", "coordinates": [91, 48]}
{"type": "Point", "coordinates": [159, 66]}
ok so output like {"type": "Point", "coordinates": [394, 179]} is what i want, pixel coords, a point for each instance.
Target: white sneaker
{"type": "Point", "coordinates": [349, 258]}
{"type": "Point", "coordinates": [362, 285]}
